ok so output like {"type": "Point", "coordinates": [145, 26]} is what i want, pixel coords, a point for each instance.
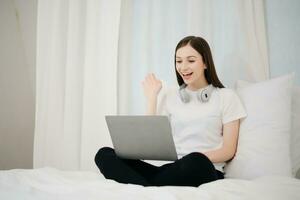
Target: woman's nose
{"type": "Point", "coordinates": [184, 66]}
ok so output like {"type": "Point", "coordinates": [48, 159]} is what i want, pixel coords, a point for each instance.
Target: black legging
{"type": "Point", "coordinates": [193, 169]}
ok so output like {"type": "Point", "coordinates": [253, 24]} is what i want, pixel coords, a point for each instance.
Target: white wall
{"type": "Point", "coordinates": [283, 28]}
{"type": "Point", "coordinates": [17, 74]}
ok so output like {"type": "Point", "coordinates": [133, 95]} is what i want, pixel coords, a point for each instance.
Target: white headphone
{"type": "Point", "coordinates": [203, 95]}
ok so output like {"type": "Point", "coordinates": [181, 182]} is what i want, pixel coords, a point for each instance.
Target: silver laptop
{"type": "Point", "coordinates": [142, 137]}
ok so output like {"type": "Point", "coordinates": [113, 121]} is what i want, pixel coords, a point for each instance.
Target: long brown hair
{"type": "Point", "coordinates": [202, 47]}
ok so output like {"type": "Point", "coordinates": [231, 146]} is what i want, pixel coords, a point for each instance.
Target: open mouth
{"type": "Point", "coordinates": [187, 75]}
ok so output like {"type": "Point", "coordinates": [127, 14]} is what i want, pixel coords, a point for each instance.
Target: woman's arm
{"type": "Point", "coordinates": [152, 87]}
{"type": "Point", "coordinates": [151, 105]}
{"type": "Point", "coordinates": [230, 139]}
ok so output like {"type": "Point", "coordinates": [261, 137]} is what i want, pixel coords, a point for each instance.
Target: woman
{"type": "Point", "coordinates": [205, 119]}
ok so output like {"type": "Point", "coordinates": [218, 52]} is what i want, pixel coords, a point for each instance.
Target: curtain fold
{"type": "Point", "coordinates": [76, 81]}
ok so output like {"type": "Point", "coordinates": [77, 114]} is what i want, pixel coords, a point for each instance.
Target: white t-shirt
{"type": "Point", "coordinates": [196, 126]}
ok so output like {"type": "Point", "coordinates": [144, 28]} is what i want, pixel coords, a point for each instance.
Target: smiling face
{"type": "Point", "coordinates": [190, 66]}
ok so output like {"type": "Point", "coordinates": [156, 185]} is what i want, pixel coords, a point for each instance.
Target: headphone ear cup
{"type": "Point", "coordinates": [204, 95]}
{"type": "Point", "coordinates": [185, 98]}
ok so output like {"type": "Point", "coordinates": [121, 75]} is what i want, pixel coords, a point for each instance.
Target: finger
{"type": "Point", "coordinates": [154, 77]}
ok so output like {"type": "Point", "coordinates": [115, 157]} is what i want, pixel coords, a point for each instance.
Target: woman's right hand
{"type": "Point", "coordinates": [151, 86]}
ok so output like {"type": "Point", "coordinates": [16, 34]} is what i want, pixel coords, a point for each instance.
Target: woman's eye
{"type": "Point", "coordinates": [178, 61]}
{"type": "Point", "coordinates": [191, 61]}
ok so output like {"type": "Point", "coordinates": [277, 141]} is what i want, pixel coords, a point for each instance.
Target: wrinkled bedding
{"type": "Point", "coordinates": [51, 183]}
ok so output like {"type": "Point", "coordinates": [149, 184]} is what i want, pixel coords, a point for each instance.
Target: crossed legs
{"type": "Point", "coordinates": [193, 169]}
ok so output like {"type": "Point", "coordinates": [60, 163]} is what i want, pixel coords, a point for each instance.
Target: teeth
{"type": "Point", "coordinates": [187, 74]}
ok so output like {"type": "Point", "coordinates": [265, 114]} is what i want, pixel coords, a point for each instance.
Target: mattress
{"type": "Point", "coordinates": [51, 183]}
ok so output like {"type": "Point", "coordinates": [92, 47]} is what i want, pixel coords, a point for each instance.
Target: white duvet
{"type": "Point", "coordinates": [50, 183]}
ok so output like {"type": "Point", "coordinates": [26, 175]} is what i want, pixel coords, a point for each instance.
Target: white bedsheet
{"type": "Point", "coordinates": [50, 183]}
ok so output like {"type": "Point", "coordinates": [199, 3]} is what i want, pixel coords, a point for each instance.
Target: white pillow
{"type": "Point", "coordinates": [295, 133]}
{"type": "Point", "coordinates": [295, 129]}
{"type": "Point", "coordinates": [264, 137]}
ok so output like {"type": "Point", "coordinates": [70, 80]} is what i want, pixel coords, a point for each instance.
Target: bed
{"type": "Point", "coordinates": [51, 183]}
{"type": "Point", "coordinates": [264, 167]}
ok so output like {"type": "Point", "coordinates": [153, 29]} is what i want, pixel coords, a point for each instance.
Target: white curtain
{"type": "Point", "coordinates": [76, 80]}
{"type": "Point", "coordinates": [92, 56]}
{"type": "Point", "coordinates": [150, 31]}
